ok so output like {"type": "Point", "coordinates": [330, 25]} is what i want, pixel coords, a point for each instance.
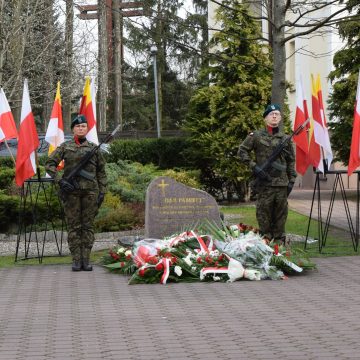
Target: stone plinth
{"type": "Point", "coordinates": [172, 207]}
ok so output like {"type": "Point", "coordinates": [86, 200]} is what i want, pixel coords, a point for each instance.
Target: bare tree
{"type": "Point", "coordinates": [118, 26]}
{"type": "Point", "coordinates": [103, 66]}
{"type": "Point", "coordinates": [67, 82]}
{"type": "Point", "coordinates": [289, 19]}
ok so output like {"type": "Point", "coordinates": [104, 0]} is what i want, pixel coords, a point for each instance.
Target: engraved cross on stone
{"type": "Point", "coordinates": [162, 185]}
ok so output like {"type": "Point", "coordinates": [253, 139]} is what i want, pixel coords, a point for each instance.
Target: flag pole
{"type": "Point", "coordinates": [11, 154]}
{"type": "Point", "coordinates": [37, 165]}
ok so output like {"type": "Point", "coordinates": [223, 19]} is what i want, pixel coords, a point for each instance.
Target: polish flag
{"type": "Point", "coordinates": [55, 131]}
{"type": "Point", "coordinates": [301, 140]}
{"type": "Point", "coordinates": [7, 123]}
{"type": "Point", "coordinates": [354, 159]}
{"type": "Point", "coordinates": [28, 141]}
{"type": "Point", "coordinates": [87, 109]}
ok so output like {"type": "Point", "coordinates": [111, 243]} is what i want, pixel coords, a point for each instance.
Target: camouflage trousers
{"type": "Point", "coordinates": [80, 208]}
{"type": "Point", "coordinates": [272, 211]}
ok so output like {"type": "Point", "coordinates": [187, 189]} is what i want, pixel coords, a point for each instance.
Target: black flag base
{"type": "Point", "coordinates": [36, 227]}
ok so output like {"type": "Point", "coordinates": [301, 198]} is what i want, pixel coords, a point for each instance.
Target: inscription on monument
{"type": "Point", "coordinates": [171, 206]}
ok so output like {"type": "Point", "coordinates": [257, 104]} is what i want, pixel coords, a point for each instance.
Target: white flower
{"type": "Point", "coordinates": [214, 253]}
{"type": "Point", "coordinates": [127, 252]}
{"type": "Point", "coordinates": [216, 278]}
{"type": "Point", "coordinates": [193, 268]}
{"type": "Point", "coordinates": [120, 250]}
{"type": "Point", "coordinates": [187, 259]}
{"type": "Point", "coordinates": [177, 270]}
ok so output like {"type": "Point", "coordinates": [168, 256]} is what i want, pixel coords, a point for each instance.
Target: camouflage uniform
{"type": "Point", "coordinates": [81, 205]}
{"type": "Point", "coordinates": [271, 205]}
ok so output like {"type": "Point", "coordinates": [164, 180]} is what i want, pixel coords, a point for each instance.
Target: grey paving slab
{"type": "Point", "coordinates": [48, 312]}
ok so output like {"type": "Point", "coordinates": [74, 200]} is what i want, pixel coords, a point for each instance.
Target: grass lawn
{"type": "Point", "coordinates": [338, 241]}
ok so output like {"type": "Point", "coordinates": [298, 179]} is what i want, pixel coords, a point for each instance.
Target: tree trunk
{"type": "Point", "coordinates": [278, 92]}
{"type": "Point", "coordinates": [49, 94]}
{"type": "Point", "coordinates": [67, 83]}
{"type": "Point", "coordinates": [118, 24]}
{"type": "Point", "coordinates": [103, 66]}
{"type": "Point", "coordinates": [160, 59]}
{"type": "Point", "coordinates": [16, 56]}
{"type": "Point", "coordinates": [2, 40]}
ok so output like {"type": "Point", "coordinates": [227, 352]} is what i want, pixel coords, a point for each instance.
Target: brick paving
{"type": "Point", "coordinates": [48, 312]}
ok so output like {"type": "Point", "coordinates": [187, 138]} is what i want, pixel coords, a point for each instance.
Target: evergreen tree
{"type": "Point", "coordinates": [176, 34]}
{"type": "Point", "coordinates": [225, 111]}
{"type": "Point", "coordinates": [345, 78]}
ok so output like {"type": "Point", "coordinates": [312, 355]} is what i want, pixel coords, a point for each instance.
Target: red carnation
{"type": "Point", "coordinates": [173, 260]}
{"type": "Point", "coordinates": [159, 267]}
{"type": "Point", "coordinates": [152, 260]}
{"type": "Point", "coordinates": [142, 272]}
{"type": "Point", "coordinates": [209, 259]}
{"type": "Point", "coordinates": [199, 260]}
{"type": "Point", "coordinates": [122, 264]}
{"type": "Point", "coordinates": [276, 249]}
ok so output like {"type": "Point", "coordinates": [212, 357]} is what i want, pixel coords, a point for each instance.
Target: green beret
{"type": "Point", "coordinates": [80, 119]}
{"type": "Point", "coordinates": [270, 108]}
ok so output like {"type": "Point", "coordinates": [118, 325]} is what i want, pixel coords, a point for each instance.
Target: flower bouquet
{"type": "Point", "coordinates": [207, 253]}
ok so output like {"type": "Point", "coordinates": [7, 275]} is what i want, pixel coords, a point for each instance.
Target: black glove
{"type": "Point", "coordinates": [101, 197]}
{"type": "Point", "coordinates": [261, 174]}
{"type": "Point", "coordinates": [66, 186]}
{"type": "Point", "coordinates": [289, 188]}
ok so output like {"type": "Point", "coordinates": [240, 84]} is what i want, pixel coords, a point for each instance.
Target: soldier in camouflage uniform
{"type": "Point", "coordinates": [275, 186]}
{"type": "Point", "coordinates": [80, 205]}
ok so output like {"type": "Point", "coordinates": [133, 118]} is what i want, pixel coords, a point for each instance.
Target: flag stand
{"type": "Point", "coordinates": [29, 231]}
{"type": "Point", "coordinates": [323, 226]}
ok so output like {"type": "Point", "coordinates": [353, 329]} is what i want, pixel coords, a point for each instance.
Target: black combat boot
{"type": "Point", "coordinates": [76, 265]}
{"type": "Point", "coordinates": [76, 257]}
{"type": "Point", "coordinates": [86, 266]}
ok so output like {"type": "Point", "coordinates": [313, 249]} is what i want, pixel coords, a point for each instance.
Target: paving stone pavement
{"type": "Point", "coordinates": [48, 312]}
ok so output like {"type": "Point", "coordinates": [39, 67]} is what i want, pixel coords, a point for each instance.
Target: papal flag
{"type": "Point", "coordinates": [354, 159]}
{"type": "Point", "coordinates": [28, 141]}
{"type": "Point", "coordinates": [87, 109]}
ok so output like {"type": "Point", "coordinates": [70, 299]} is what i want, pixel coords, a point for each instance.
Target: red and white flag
{"type": "Point", "coordinates": [354, 159]}
{"type": "Point", "coordinates": [301, 140]}
{"type": "Point", "coordinates": [28, 141]}
{"type": "Point", "coordinates": [55, 131]}
{"type": "Point", "coordinates": [87, 109]}
{"type": "Point", "coordinates": [7, 123]}
{"type": "Point", "coordinates": [320, 127]}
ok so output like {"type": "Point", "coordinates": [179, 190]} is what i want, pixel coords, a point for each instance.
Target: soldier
{"type": "Point", "coordinates": [80, 205]}
{"type": "Point", "coordinates": [274, 187]}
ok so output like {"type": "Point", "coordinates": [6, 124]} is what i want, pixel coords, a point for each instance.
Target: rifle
{"type": "Point", "coordinates": [68, 183]}
{"type": "Point", "coordinates": [262, 171]}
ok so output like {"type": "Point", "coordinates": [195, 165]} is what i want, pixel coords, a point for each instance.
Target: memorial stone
{"type": "Point", "coordinates": [171, 207]}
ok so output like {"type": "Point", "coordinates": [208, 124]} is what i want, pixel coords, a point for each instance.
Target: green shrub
{"type": "Point", "coordinates": [7, 176]}
{"type": "Point", "coordinates": [166, 153]}
{"type": "Point", "coordinates": [116, 216]}
{"type": "Point", "coordinates": [130, 180]}
{"type": "Point", "coordinates": [6, 162]}
{"type": "Point", "coordinates": [9, 212]}
{"type": "Point", "coordinates": [188, 177]}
